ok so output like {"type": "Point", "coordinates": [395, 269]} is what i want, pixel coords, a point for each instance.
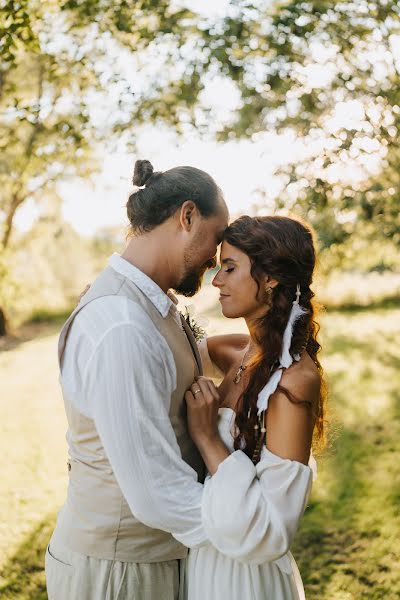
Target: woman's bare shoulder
{"type": "Point", "coordinates": [302, 379]}
{"type": "Point", "coordinates": [291, 420]}
{"type": "Point", "coordinates": [224, 349]}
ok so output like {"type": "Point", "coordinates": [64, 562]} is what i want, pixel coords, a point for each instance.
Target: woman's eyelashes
{"type": "Point", "coordinates": [229, 270]}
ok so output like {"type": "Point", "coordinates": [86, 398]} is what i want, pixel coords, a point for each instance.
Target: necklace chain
{"type": "Point", "coordinates": [242, 367]}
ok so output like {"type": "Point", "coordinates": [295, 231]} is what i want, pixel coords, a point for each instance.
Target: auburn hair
{"type": "Point", "coordinates": [282, 248]}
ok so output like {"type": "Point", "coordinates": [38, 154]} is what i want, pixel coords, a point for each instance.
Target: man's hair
{"type": "Point", "coordinates": [161, 194]}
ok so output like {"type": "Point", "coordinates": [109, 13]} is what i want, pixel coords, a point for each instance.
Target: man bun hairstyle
{"type": "Point", "coordinates": [142, 172]}
{"type": "Point", "coordinates": [161, 194]}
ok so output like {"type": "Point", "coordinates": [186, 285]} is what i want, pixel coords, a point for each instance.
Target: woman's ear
{"type": "Point", "coordinates": [269, 283]}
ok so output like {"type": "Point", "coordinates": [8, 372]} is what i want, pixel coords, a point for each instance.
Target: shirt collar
{"type": "Point", "coordinates": [149, 287]}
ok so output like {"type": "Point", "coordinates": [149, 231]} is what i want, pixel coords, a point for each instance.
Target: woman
{"type": "Point", "coordinates": [257, 443]}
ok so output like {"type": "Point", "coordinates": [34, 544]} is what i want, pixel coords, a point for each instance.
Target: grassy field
{"type": "Point", "coordinates": [347, 547]}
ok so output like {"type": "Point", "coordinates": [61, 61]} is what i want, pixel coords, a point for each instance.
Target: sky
{"type": "Point", "coordinates": [239, 168]}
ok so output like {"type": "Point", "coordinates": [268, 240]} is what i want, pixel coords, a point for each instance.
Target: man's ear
{"type": "Point", "coordinates": [187, 214]}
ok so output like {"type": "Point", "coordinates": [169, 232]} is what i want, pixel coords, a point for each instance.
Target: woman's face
{"type": "Point", "coordinates": [239, 295]}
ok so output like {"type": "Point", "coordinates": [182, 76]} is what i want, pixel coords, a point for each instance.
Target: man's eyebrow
{"type": "Point", "coordinates": [226, 260]}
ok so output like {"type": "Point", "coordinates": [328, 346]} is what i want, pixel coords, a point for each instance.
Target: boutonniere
{"type": "Point", "coordinates": [195, 327]}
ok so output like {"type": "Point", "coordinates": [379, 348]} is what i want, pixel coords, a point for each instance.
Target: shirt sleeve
{"type": "Point", "coordinates": [251, 513]}
{"type": "Point", "coordinates": [129, 380]}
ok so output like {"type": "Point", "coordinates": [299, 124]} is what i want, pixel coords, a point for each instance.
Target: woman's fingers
{"type": "Point", "coordinates": [207, 386]}
{"type": "Point", "coordinates": [196, 389]}
{"type": "Point", "coordinates": [189, 396]}
{"type": "Point", "coordinates": [202, 404]}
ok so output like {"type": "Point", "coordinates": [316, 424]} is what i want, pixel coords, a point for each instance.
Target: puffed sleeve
{"type": "Point", "coordinates": [251, 513]}
{"type": "Point", "coordinates": [210, 369]}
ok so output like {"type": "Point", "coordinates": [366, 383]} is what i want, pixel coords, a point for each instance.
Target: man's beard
{"type": "Point", "coordinates": [191, 282]}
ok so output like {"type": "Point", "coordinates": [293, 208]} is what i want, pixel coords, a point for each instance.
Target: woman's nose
{"type": "Point", "coordinates": [217, 280]}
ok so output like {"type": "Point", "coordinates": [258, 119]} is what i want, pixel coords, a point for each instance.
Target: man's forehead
{"type": "Point", "coordinates": [224, 221]}
{"type": "Point", "coordinates": [219, 223]}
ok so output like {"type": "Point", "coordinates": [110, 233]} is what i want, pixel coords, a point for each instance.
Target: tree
{"type": "Point", "coordinates": [45, 129]}
{"type": "Point", "coordinates": [62, 89]}
{"type": "Point", "coordinates": [61, 92]}
{"type": "Point", "coordinates": [77, 73]}
{"type": "Point", "coordinates": [329, 71]}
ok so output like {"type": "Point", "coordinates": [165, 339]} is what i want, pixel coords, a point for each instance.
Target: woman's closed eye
{"type": "Point", "coordinates": [229, 270]}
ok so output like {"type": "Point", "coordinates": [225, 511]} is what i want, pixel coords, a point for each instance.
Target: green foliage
{"type": "Point", "coordinates": [327, 71]}
{"type": "Point", "coordinates": [51, 265]}
{"type": "Point", "coordinates": [79, 73]}
{"type": "Point", "coordinates": [15, 29]}
{"type": "Point", "coordinates": [45, 130]}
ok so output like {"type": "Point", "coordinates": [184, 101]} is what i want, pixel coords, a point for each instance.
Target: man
{"type": "Point", "coordinates": [126, 361]}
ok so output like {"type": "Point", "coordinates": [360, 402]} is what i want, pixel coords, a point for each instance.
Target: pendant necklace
{"type": "Point", "coordinates": [242, 368]}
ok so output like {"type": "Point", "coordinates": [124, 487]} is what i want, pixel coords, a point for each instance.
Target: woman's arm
{"type": "Point", "coordinates": [290, 422]}
{"type": "Point", "coordinates": [223, 349]}
{"type": "Point", "coordinates": [266, 501]}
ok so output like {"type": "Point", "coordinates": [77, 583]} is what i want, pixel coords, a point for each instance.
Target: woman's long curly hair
{"type": "Point", "coordinates": [283, 249]}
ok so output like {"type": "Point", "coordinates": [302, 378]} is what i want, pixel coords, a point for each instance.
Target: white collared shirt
{"type": "Point", "coordinates": [101, 363]}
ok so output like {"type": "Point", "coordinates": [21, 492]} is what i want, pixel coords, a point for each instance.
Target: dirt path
{"type": "Point", "coordinates": [32, 469]}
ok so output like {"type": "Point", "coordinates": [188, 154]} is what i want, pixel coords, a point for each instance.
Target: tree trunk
{"type": "Point", "coordinates": [19, 192]}
{"type": "Point", "coordinates": [8, 223]}
{"type": "Point", "coordinates": [3, 323]}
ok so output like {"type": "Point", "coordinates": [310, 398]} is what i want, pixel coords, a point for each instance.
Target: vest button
{"type": "Point", "coordinates": [69, 465]}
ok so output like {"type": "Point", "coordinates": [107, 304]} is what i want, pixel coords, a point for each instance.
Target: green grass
{"type": "Point", "coordinates": [347, 546]}
{"type": "Point", "coordinates": [23, 575]}
{"type": "Point", "coordinates": [45, 315]}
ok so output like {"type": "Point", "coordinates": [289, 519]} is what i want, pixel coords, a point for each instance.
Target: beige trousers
{"type": "Point", "coordinates": [72, 576]}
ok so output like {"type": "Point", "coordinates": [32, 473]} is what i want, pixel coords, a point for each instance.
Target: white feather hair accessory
{"type": "Point", "coordinates": [285, 359]}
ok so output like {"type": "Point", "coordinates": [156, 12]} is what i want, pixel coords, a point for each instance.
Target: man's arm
{"type": "Point", "coordinates": [129, 380]}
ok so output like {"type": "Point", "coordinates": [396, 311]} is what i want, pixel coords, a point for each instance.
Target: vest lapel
{"type": "Point", "coordinates": [193, 344]}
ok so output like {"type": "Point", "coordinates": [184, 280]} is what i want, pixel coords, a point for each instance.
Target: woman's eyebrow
{"type": "Point", "coordinates": [226, 260]}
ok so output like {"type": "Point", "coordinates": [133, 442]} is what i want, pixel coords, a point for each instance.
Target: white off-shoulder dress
{"type": "Point", "coordinates": [251, 514]}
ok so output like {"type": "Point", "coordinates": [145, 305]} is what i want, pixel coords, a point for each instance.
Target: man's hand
{"type": "Point", "coordinates": [83, 293]}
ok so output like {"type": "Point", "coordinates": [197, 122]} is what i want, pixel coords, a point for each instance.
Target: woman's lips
{"type": "Point", "coordinates": [223, 296]}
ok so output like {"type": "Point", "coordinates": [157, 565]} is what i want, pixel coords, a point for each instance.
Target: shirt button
{"type": "Point", "coordinates": [69, 465]}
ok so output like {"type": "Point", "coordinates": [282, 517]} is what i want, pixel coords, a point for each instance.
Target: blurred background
{"type": "Point", "coordinates": [293, 107]}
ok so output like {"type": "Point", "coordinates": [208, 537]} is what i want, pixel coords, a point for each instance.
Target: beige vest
{"type": "Point", "coordinates": [95, 519]}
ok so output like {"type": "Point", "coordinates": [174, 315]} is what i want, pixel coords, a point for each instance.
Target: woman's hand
{"type": "Point", "coordinates": [203, 402]}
